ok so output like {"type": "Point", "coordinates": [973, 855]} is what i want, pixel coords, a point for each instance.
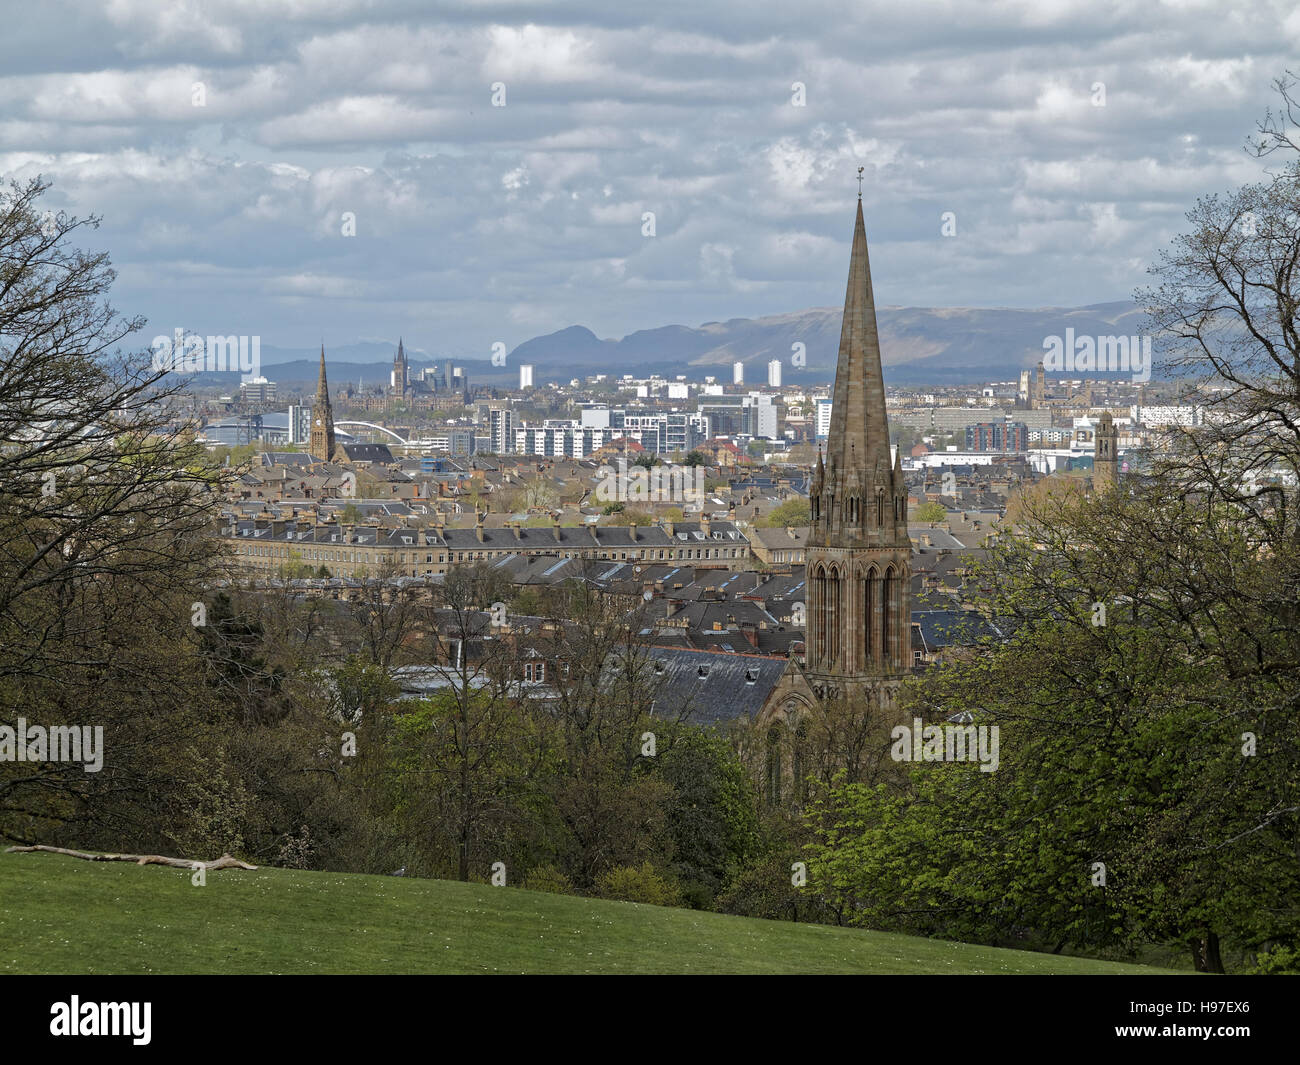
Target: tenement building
{"type": "Point", "coordinates": [271, 548]}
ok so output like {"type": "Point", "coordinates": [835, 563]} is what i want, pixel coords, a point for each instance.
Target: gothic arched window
{"type": "Point", "coordinates": [888, 589]}
{"type": "Point", "coordinates": [834, 616]}
{"type": "Point", "coordinates": [773, 767]}
{"type": "Point", "coordinates": [868, 609]}
{"type": "Point", "coordinates": [797, 762]}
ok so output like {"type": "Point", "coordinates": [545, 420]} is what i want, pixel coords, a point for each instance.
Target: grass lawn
{"type": "Point", "coordinates": [64, 915]}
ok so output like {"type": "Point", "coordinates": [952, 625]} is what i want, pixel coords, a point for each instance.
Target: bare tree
{"type": "Point", "coordinates": [104, 510]}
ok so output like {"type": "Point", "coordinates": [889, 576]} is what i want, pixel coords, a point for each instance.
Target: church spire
{"type": "Point", "coordinates": [321, 444]}
{"type": "Point", "coordinates": [859, 432]}
{"type": "Point", "coordinates": [858, 559]}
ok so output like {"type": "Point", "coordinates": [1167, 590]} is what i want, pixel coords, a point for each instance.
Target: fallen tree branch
{"type": "Point", "coordinates": [224, 862]}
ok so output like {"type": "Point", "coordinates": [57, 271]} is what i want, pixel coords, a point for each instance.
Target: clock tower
{"type": "Point", "coordinates": [322, 418]}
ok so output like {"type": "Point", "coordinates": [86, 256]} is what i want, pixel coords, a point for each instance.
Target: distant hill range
{"type": "Point", "coordinates": [920, 346]}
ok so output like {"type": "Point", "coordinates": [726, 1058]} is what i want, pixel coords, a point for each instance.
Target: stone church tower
{"type": "Point", "coordinates": [858, 614]}
{"type": "Point", "coordinates": [321, 444]}
{"type": "Point", "coordinates": [401, 375]}
{"type": "Point", "coordinates": [858, 570]}
{"type": "Point", "coordinates": [1105, 454]}
{"type": "Point", "coordinates": [859, 555]}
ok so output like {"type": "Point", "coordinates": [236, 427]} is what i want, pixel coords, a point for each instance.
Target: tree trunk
{"type": "Point", "coordinates": [224, 862]}
{"type": "Point", "coordinates": [1206, 957]}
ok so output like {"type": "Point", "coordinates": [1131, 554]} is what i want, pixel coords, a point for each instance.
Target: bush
{"type": "Point", "coordinates": [1280, 961]}
{"type": "Point", "coordinates": [638, 884]}
{"type": "Point", "coordinates": [548, 878]}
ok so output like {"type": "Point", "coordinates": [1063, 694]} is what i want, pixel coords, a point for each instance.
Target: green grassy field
{"type": "Point", "coordinates": [63, 915]}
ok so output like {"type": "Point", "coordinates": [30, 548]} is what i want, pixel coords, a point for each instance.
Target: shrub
{"type": "Point", "coordinates": [548, 878]}
{"type": "Point", "coordinates": [630, 883]}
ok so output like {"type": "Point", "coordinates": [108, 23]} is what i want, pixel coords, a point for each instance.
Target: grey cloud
{"type": "Point", "coordinates": [477, 222]}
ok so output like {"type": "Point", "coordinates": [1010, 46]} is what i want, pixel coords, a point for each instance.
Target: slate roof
{"type": "Point", "coordinates": [776, 538]}
{"type": "Point", "coordinates": [712, 689]}
{"type": "Point", "coordinates": [367, 453]}
{"type": "Point", "coordinates": [286, 458]}
{"type": "Point", "coordinates": [944, 628]}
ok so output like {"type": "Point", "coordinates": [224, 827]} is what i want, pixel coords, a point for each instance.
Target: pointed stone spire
{"type": "Point", "coordinates": [859, 432]}
{"type": "Point", "coordinates": [858, 559]}
{"type": "Point", "coordinates": [322, 417]}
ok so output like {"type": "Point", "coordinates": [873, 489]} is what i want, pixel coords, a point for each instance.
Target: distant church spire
{"type": "Point", "coordinates": [399, 379]}
{"type": "Point", "coordinates": [322, 418]}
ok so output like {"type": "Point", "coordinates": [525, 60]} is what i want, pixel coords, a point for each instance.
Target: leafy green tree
{"type": "Point", "coordinates": [711, 814]}
{"type": "Point", "coordinates": [794, 512]}
{"type": "Point", "coordinates": [363, 688]}
{"type": "Point", "coordinates": [1147, 760]}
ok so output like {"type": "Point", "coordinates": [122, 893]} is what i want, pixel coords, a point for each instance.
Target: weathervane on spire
{"type": "Point", "coordinates": [860, 169]}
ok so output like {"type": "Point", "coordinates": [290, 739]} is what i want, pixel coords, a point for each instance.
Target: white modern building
{"type": "Point", "coordinates": [823, 415]}
{"type": "Point", "coordinates": [501, 423]}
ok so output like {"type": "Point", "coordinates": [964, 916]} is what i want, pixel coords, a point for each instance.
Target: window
{"type": "Point", "coordinates": [774, 764]}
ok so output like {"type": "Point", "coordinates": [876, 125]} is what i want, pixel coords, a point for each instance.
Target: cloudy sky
{"type": "Point", "coordinates": [226, 144]}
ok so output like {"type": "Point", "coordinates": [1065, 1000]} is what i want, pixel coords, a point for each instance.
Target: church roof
{"type": "Point", "coordinates": [709, 688]}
